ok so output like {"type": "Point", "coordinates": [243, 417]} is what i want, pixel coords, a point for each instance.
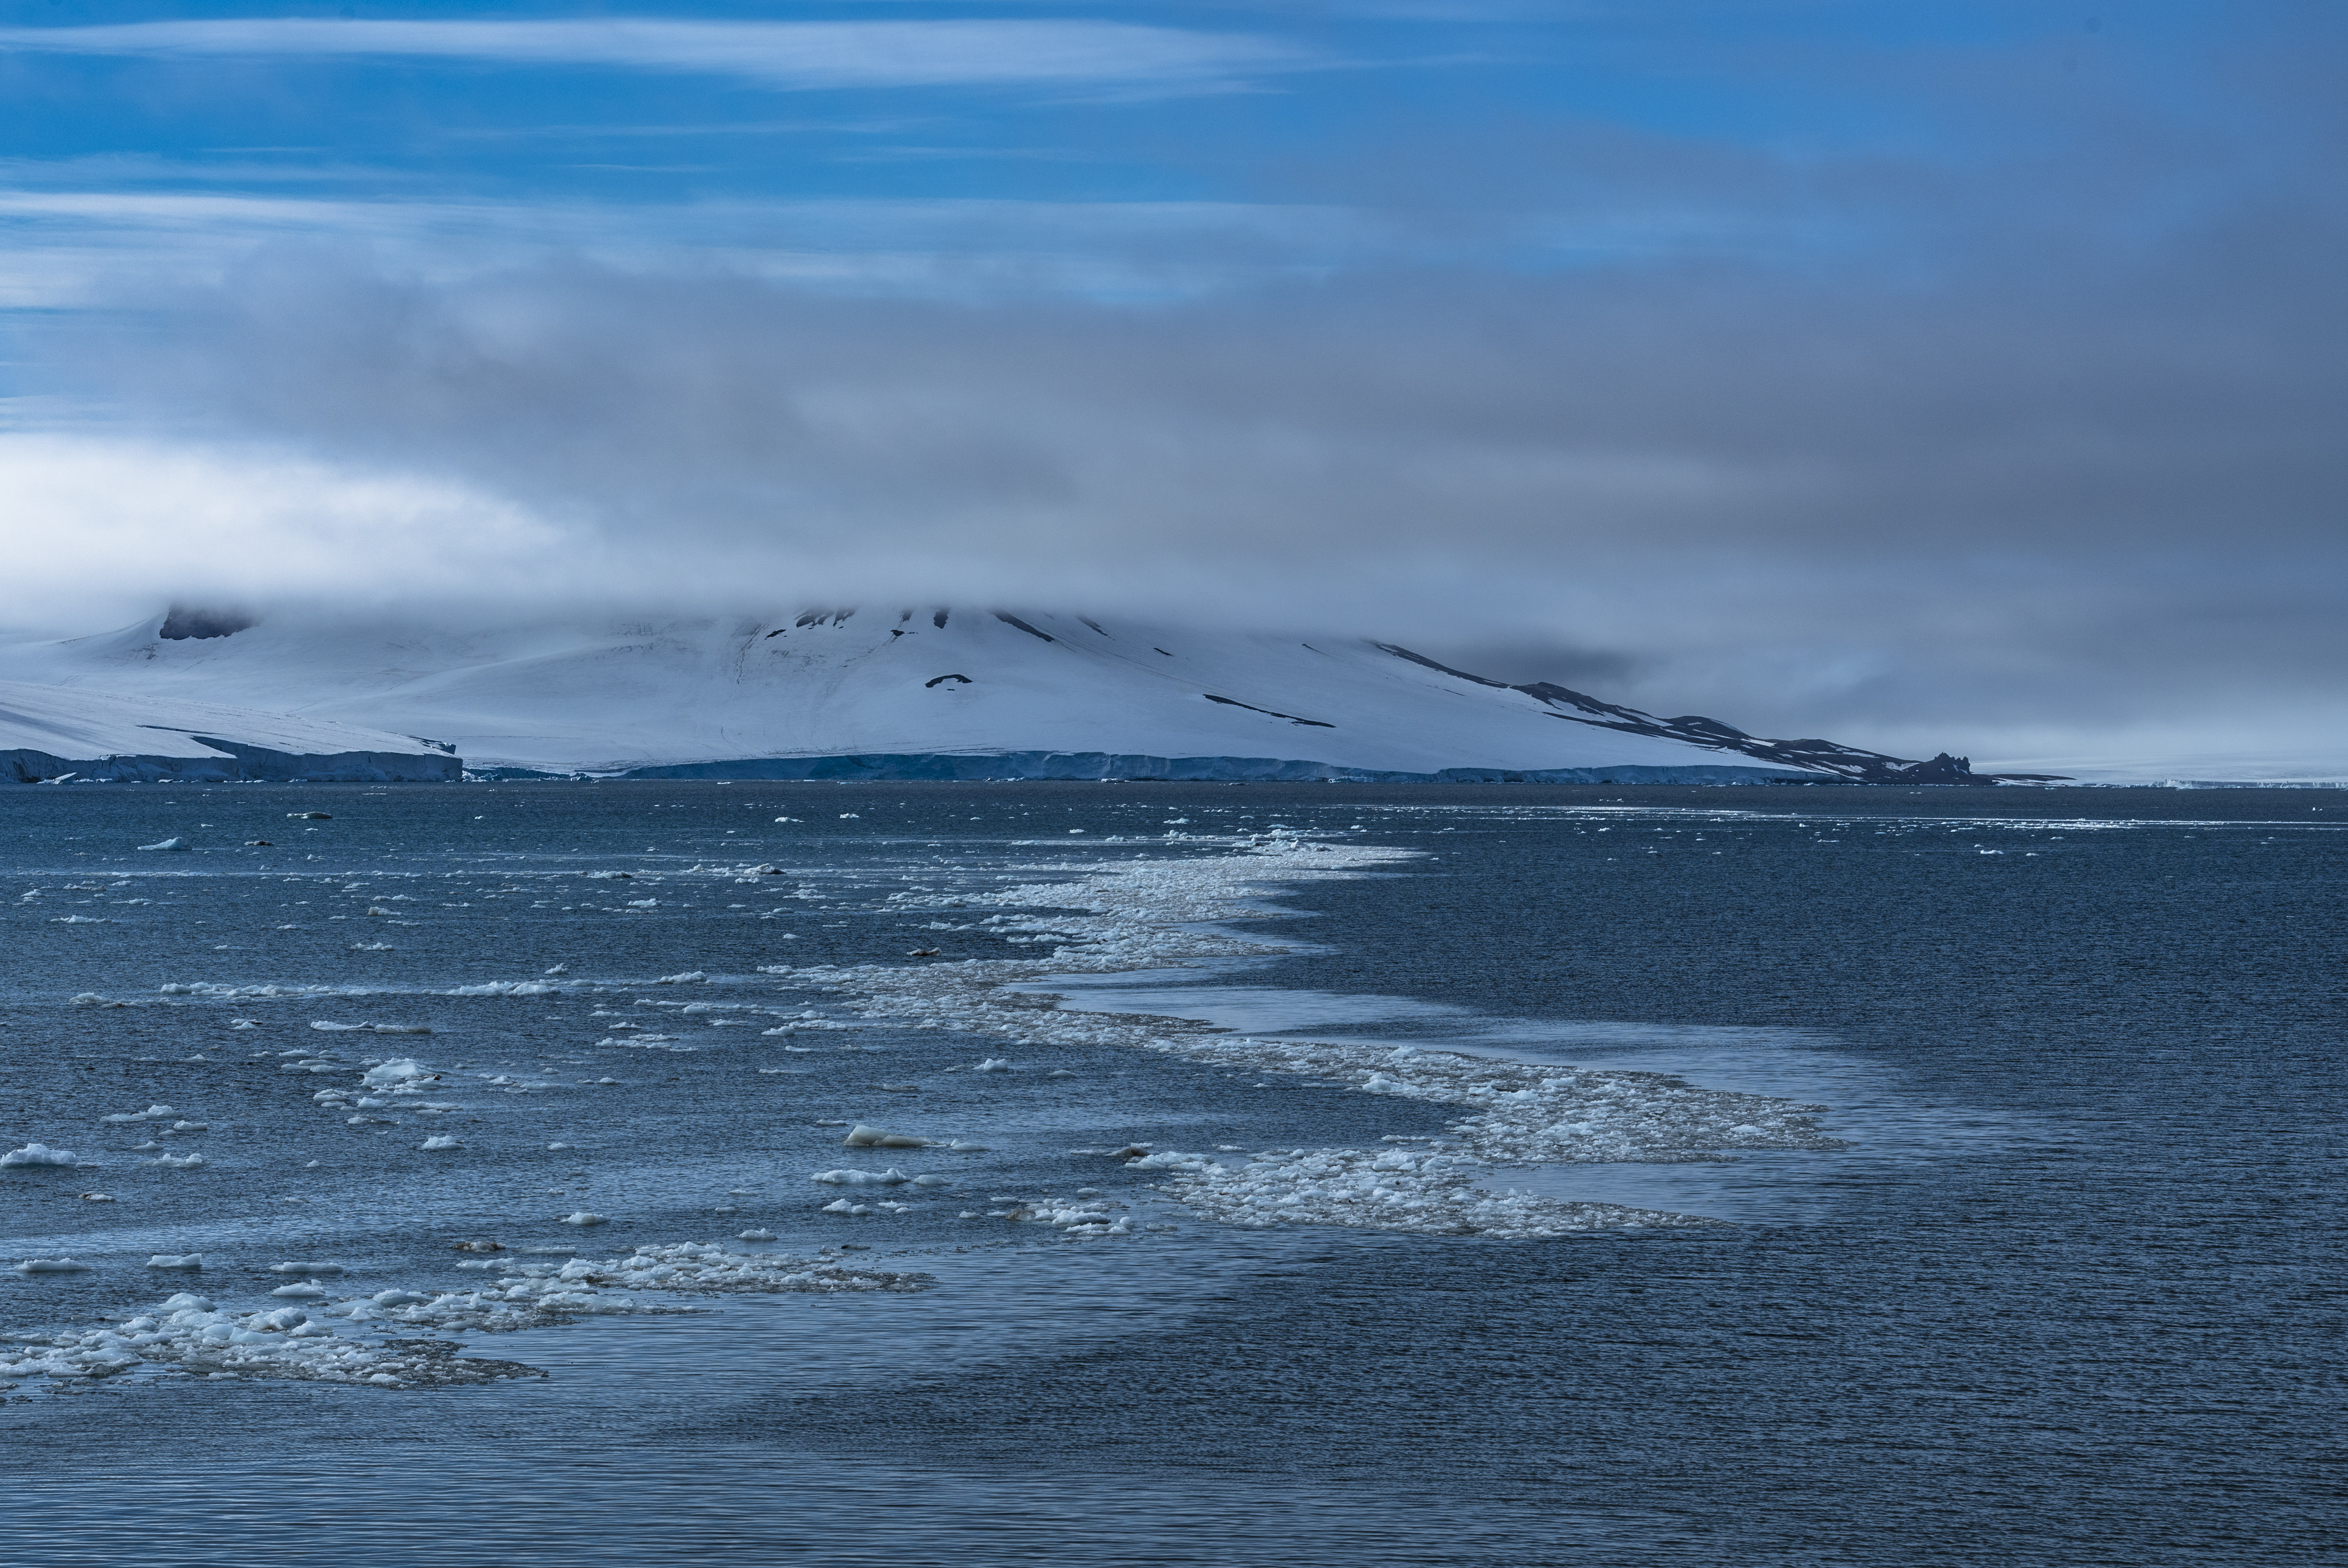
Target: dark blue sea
{"type": "Point", "coordinates": [1985, 1205]}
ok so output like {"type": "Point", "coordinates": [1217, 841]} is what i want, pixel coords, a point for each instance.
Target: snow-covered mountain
{"type": "Point", "coordinates": [50, 733]}
{"type": "Point", "coordinates": [928, 693]}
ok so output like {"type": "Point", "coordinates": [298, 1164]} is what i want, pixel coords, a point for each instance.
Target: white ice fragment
{"type": "Point", "coordinates": [39, 1154]}
{"type": "Point", "coordinates": [441, 1140]}
{"type": "Point", "coordinates": [178, 1161]}
{"type": "Point", "coordinates": [689, 977]}
{"type": "Point", "coordinates": [51, 1265]}
{"type": "Point", "coordinates": [863, 1136]}
{"type": "Point", "coordinates": [303, 1291]}
{"type": "Point", "coordinates": [188, 1261]}
{"type": "Point", "coordinates": [994, 1065]}
{"type": "Point", "coordinates": [933, 1181]}
{"type": "Point", "coordinates": [405, 1070]}
{"type": "Point", "coordinates": [307, 1269]}
{"type": "Point", "coordinates": [755, 1236]}
{"type": "Point", "coordinates": [167, 844]}
{"type": "Point", "coordinates": [892, 1177]}
{"type": "Point", "coordinates": [1172, 1159]}
{"type": "Point", "coordinates": [582, 1218]}
{"type": "Point", "coordinates": [152, 1113]}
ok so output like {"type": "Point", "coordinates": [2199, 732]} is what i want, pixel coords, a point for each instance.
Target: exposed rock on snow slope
{"type": "Point", "coordinates": [55, 732]}
{"type": "Point", "coordinates": [899, 693]}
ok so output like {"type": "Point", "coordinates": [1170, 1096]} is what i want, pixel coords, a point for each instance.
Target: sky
{"type": "Point", "coordinates": [1922, 376]}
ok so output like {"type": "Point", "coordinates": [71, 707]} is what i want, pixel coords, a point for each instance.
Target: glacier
{"type": "Point", "coordinates": [889, 694]}
{"type": "Point", "coordinates": [57, 733]}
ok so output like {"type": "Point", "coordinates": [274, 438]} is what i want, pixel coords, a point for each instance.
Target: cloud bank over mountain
{"type": "Point", "coordinates": [2008, 402]}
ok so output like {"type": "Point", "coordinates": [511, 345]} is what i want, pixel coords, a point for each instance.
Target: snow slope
{"type": "Point", "coordinates": [910, 693]}
{"type": "Point", "coordinates": [55, 731]}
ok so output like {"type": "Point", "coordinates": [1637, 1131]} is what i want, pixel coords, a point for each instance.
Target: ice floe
{"type": "Point", "coordinates": [1155, 914]}
{"type": "Point", "coordinates": [38, 1154]}
{"type": "Point", "coordinates": [863, 1136]}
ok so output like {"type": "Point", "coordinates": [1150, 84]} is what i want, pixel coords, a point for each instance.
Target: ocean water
{"type": "Point", "coordinates": [1532, 1175]}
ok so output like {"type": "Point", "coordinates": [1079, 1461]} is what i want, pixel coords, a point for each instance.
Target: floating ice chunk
{"type": "Point", "coordinates": [98, 1197]}
{"type": "Point", "coordinates": [688, 979]}
{"type": "Point", "coordinates": [335, 1028]}
{"type": "Point", "coordinates": [309, 816]}
{"type": "Point", "coordinates": [405, 1070]}
{"type": "Point", "coordinates": [307, 1269]}
{"type": "Point", "coordinates": [188, 1261]}
{"type": "Point", "coordinates": [178, 1161]}
{"type": "Point", "coordinates": [1172, 1159]}
{"type": "Point", "coordinates": [610, 876]}
{"type": "Point", "coordinates": [441, 1140]}
{"type": "Point", "coordinates": [51, 1265]}
{"type": "Point", "coordinates": [39, 1154]}
{"type": "Point", "coordinates": [755, 1236]}
{"type": "Point", "coordinates": [152, 1113]}
{"type": "Point", "coordinates": [892, 1177]}
{"type": "Point", "coordinates": [645, 903]}
{"type": "Point", "coordinates": [934, 1181]}
{"type": "Point", "coordinates": [398, 1298]}
{"type": "Point", "coordinates": [167, 844]}
{"type": "Point", "coordinates": [303, 1291]}
{"type": "Point", "coordinates": [961, 1146]}
{"type": "Point", "coordinates": [863, 1136]}
{"type": "Point", "coordinates": [994, 1065]}
{"type": "Point", "coordinates": [842, 1206]}
{"type": "Point", "coordinates": [582, 1218]}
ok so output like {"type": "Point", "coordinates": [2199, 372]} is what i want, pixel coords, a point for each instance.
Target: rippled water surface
{"type": "Point", "coordinates": [2068, 1291]}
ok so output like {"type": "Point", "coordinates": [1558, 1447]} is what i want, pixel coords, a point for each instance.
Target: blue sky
{"type": "Point", "coordinates": [1894, 371]}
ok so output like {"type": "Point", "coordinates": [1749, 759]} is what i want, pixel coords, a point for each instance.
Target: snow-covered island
{"type": "Point", "coordinates": [893, 693]}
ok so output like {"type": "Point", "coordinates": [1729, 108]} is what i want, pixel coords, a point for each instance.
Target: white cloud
{"type": "Point", "coordinates": [100, 528]}
{"type": "Point", "coordinates": [796, 55]}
